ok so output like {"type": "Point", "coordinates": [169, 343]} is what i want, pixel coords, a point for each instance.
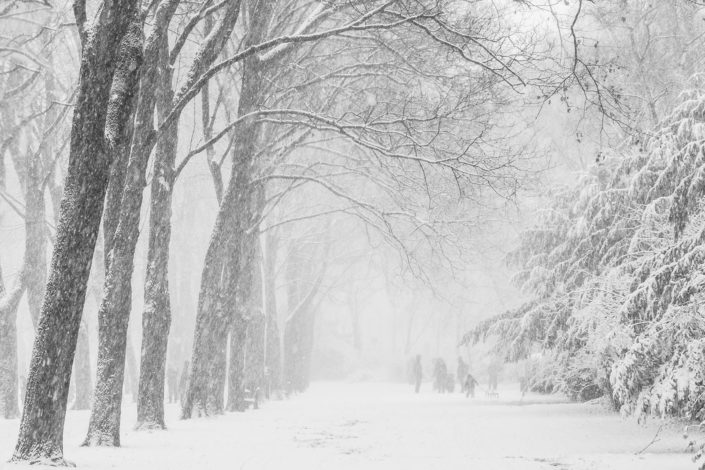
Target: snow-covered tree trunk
{"type": "Point", "coordinates": [213, 318]}
{"type": "Point", "coordinates": [156, 318]}
{"type": "Point", "coordinates": [254, 354]}
{"type": "Point", "coordinates": [219, 283]}
{"type": "Point", "coordinates": [290, 339]}
{"type": "Point", "coordinates": [236, 367]}
{"type": "Point", "coordinates": [252, 304]}
{"type": "Point", "coordinates": [273, 338]}
{"type": "Point", "coordinates": [9, 301]}
{"type": "Point", "coordinates": [246, 352]}
{"type": "Point", "coordinates": [217, 308]}
{"type": "Point", "coordinates": [114, 310]}
{"type": "Point", "coordinates": [113, 42]}
{"type": "Point", "coordinates": [35, 213]}
{"type": "Point", "coordinates": [35, 235]}
{"type": "Point", "coordinates": [299, 324]}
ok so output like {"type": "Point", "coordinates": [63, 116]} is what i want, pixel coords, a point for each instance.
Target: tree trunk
{"type": "Point", "coordinates": [35, 236]}
{"type": "Point", "coordinates": [156, 318]}
{"type": "Point", "coordinates": [292, 359]}
{"type": "Point", "coordinates": [217, 298]}
{"type": "Point", "coordinates": [210, 337]}
{"type": "Point", "coordinates": [273, 340]}
{"type": "Point", "coordinates": [236, 368]}
{"type": "Point", "coordinates": [255, 379]}
{"type": "Point", "coordinates": [251, 300]}
{"type": "Point", "coordinates": [114, 310]}
{"type": "Point", "coordinates": [219, 283]}
{"type": "Point", "coordinates": [246, 355]}
{"type": "Point", "coordinates": [299, 325]}
{"type": "Point", "coordinates": [35, 213]}
{"type": "Point", "coordinates": [298, 345]}
{"type": "Point", "coordinates": [82, 372]}
{"type": "Point", "coordinates": [9, 301]}
{"type": "Point", "coordinates": [207, 124]}
{"type": "Point", "coordinates": [100, 101]}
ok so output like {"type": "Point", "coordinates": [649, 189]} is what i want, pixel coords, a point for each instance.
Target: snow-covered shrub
{"type": "Point", "coordinates": [616, 267]}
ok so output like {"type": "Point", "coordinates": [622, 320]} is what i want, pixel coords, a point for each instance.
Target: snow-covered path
{"type": "Point", "coordinates": [382, 426]}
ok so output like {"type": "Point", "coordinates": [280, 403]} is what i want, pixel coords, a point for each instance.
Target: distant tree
{"type": "Point", "coordinates": [9, 301]}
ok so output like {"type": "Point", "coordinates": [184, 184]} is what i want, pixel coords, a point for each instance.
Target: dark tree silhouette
{"type": "Point", "coordinates": [111, 48]}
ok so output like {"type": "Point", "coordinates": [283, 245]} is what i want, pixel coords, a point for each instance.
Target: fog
{"type": "Point", "coordinates": [216, 208]}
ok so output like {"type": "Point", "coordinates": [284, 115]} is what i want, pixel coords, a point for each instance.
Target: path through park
{"type": "Point", "coordinates": [384, 426]}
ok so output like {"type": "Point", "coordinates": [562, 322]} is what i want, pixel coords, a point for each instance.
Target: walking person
{"type": "Point", "coordinates": [440, 376]}
{"type": "Point", "coordinates": [469, 385]}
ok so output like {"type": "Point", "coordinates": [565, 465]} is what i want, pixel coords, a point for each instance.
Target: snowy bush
{"type": "Point", "coordinates": [616, 267]}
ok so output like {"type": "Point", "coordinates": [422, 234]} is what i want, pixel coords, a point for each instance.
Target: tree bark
{"type": "Point", "coordinates": [212, 325]}
{"type": "Point", "coordinates": [236, 368]}
{"type": "Point", "coordinates": [217, 313]}
{"type": "Point", "coordinates": [156, 318]}
{"type": "Point", "coordinates": [99, 101]}
{"type": "Point", "coordinates": [114, 310]}
{"type": "Point", "coordinates": [255, 378]}
{"type": "Point", "coordinates": [246, 355]}
{"type": "Point", "coordinates": [217, 297]}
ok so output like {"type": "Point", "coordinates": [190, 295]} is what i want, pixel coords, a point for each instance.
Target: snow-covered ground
{"type": "Point", "coordinates": [366, 426]}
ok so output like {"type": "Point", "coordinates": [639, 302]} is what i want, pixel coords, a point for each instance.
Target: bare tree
{"type": "Point", "coordinates": [9, 301]}
{"type": "Point", "coordinates": [102, 96]}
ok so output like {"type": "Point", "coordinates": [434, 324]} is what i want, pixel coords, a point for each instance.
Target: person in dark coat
{"type": "Point", "coordinates": [469, 385]}
{"type": "Point", "coordinates": [417, 373]}
{"type": "Point", "coordinates": [440, 376]}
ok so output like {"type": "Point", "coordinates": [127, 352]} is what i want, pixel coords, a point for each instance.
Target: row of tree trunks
{"type": "Point", "coordinates": [157, 288]}
{"type": "Point", "coordinates": [217, 306]}
{"type": "Point", "coordinates": [302, 289]}
{"type": "Point", "coordinates": [116, 305]}
{"type": "Point", "coordinates": [98, 103]}
{"type": "Point", "coordinates": [214, 316]}
{"type": "Point", "coordinates": [114, 310]}
{"type": "Point", "coordinates": [218, 311]}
